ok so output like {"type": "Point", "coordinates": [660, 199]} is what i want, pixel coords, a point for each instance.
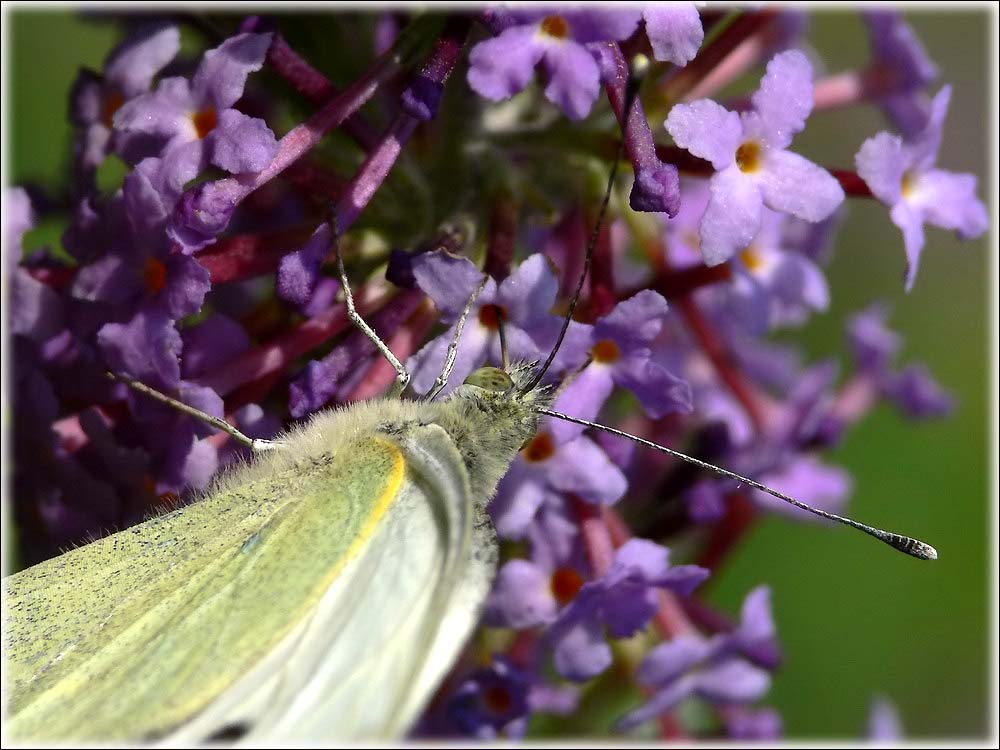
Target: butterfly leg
{"type": "Point", "coordinates": [402, 376]}
{"type": "Point", "coordinates": [254, 444]}
{"type": "Point", "coordinates": [449, 360]}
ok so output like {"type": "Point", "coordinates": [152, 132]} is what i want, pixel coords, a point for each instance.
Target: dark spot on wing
{"type": "Point", "coordinates": [230, 732]}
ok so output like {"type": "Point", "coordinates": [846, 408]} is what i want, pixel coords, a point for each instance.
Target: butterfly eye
{"type": "Point", "coordinates": [490, 379]}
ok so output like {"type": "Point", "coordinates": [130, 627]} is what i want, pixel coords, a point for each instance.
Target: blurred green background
{"type": "Point", "coordinates": [856, 620]}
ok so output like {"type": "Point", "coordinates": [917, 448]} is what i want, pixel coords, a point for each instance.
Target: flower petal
{"type": "Point", "coordinates": [449, 280]}
{"type": "Point", "coordinates": [911, 222]}
{"type": "Point", "coordinates": [732, 218]}
{"type": "Point", "coordinates": [132, 66]}
{"type": "Point", "coordinates": [706, 129]}
{"type": "Point", "coordinates": [522, 597]}
{"type": "Point", "coordinates": [241, 144]}
{"type": "Point", "coordinates": [732, 681]}
{"type": "Point", "coordinates": [949, 201]}
{"type": "Point", "coordinates": [794, 185]}
{"type": "Point", "coordinates": [785, 98]}
{"type": "Point", "coordinates": [574, 78]}
{"type": "Point", "coordinates": [583, 468]}
{"type": "Point", "coordinates": [674, 30]}
{"type": "Point", "coordinates": [582, 652]}
{"type": "Point", "coordinates": [503, 66]}
{"type": "Point", "coordinates": [926, 145]}
{"type": "Point", "coordinates": [222, 74]}
{"type": "Point", "coordinates": [881, 163]}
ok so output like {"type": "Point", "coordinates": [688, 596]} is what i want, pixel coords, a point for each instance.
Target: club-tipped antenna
{"type": "Point", "coordinates": [906, 544]}
{"type": "Point", "coordinates": [636, 73]}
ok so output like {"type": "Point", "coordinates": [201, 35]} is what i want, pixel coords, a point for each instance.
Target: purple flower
{"type": "Point", "coordinates": [884, 724]}
{"type": "Point", "coordinates": [674, 30]}
{"type": "Point", "coordinates": [503, 66]}
{"type": "Point", "coordinates": [750, 724]}
{"type": "Point", "coordinates": [492, 702]}
{"type": "Point", "coordinates": [774, 284]}
{"type": "Point", "coordinates": [543, 470]}
{"type": "Point", "coordinates": [918, 394]}
{"type": "Point", "coordinates": [898, 52]}
{"type": "Point", "coordinates": [808, 480]}
{"type": "Point", "coordinates": [753, 166]}
{"type": "Point", "coordinates": [95, 99]}
{"type": "Point", "coordinates": [36, 311]}
{"type": "Point", "coordinates": [522, 301]}
{"type": "Point", "coordinates": [619, 346]}
{"type": "Point", "coordinates": [873, 344]}
{"type": "Point", "coordinates": [901, 174]}
{"type": "Point", "coordinates": [299, 271]}
{"type": "Point", "coordinates": [725, 669]}
{"type": "Point", "coordinates": [197, 118]}
{"type": "Point", "coordinates": [684, 668]}
{"type": "Point", "coordinates": [618, 604]}
{"type": "Point", "coordinates": [530, 593]}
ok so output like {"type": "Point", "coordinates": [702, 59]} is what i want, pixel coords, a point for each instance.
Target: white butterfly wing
{"type": "Point", "coordinates": [374, 650]}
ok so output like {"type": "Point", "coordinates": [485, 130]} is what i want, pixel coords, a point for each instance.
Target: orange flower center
{"type": "Point", "coordinates": [490, 316]}
{"type": "Point", "coordinates": [540, 448]}
{"type": "Point", "coordinates": [606, 352]}
{"type": "Point", "coordinates": [909, 184]}
{"type": "Point", "coordinates": [205, 121]}
{"type": "Point", "coordinates": [565, 585]}
{"type": "Point", "coordinates": [752, 259]}
{"type": "Point", "coordinates": [748, 157]}
{"type": "Point", "coordinates": [113, 101]}
{"type": "Point", "coordinates": [556, 26]}
{"type": "Point", "coordinates": [155, 275]}
{"type": "Point", "coordinates": [497, 700]}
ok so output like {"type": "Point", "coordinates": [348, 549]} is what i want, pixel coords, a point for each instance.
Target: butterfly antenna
{"type": "Point", "coordinates": [640, 64]}
{"type": "Point", "coordinates": [504, 354]}
{"type": "Point", "coordinates": [909, 545]}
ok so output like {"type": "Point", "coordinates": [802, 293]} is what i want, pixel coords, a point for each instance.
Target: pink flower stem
{"type": "Point", "coordinates": [597, 539]}
{"type": "Point", "coordinates": [852, 183]}
{"type": "Point", "coordinates": [245, 256]}
{"type": "Point", "coordinates": [309, 81]}
{"type": "Point", "coordinates": [853, 87]}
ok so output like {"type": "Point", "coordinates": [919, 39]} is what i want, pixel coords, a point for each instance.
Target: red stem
{"type": "Point", "coordinates": [731, 37]}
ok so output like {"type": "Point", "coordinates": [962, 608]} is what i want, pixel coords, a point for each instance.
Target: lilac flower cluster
{"type": "Point", "coordinates": [207, 275]}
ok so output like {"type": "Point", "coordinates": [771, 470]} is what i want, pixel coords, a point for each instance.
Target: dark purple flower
{"type": "Point", "coordinates": [902, 174]}
{"type": "Point", "coordinates": [128, 73]}
{"type": "Point", "coordinates": [492, 702]}
{"type": "Point", "coordinates": [918, 394]}
{"type": "Point", "coordinates": [753, 166]}
{"type": "Point", "coordinates": [897, 51]}
{"type": "Point", "coordinates": [503, 66]}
